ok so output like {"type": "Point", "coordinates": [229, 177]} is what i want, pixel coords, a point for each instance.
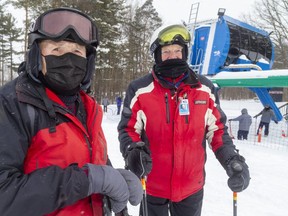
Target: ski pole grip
{"type": "Point", "coordinates": [143, 182]}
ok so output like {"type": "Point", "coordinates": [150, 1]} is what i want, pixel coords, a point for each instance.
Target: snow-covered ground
{"type": "Point", "coordinates": [268, 189]}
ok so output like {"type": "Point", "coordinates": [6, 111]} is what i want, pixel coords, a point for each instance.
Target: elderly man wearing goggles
{"type": "Point", "coordinates": [167, 118]}
{"type": "Point", "coordinates": [53, 151]}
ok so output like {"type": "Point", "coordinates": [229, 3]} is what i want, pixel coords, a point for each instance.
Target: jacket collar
{"type": "Point", "coordinates": [191, 79]}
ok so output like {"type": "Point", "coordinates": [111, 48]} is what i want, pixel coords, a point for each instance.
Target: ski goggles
{"type": "Point", "coordinates": [172, 34]}
{"type": "Point", "coordinates": [56, 22]}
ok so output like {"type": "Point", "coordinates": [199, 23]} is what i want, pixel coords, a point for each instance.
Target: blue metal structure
{"type": "Point", "coordinates": [222, 43]}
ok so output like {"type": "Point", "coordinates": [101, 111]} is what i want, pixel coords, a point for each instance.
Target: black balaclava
{"type": "Point", "coordinates": [171, 68]}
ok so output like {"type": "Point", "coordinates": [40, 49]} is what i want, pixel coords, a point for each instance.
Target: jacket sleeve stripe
{"type": "Point", "coordinates": [140, 122]}
{"type": "Point", "coordinates": [215, 121]}
{"type": "Point", "coordinates": [140, 91]}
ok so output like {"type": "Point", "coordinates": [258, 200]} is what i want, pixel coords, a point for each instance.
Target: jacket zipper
{"type": "Point", "coordinates": [167, 108]}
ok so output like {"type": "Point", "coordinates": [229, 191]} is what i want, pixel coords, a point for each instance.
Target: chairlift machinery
{"type": "Point", "coordinates": [235, 54]}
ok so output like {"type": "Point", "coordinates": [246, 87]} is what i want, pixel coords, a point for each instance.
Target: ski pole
{"type": "Point", "coordinates": [237, 168]}
{"type": "Point", "coordinates": [234, 203]}
{"type": "Point", "coordinates": [231, 135]}
{"type": "Point", "coordinates": [144, 200]}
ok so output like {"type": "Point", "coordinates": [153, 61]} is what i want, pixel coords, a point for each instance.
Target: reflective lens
{"type": "Point", "coordinates": [174, 33]}
{"type": "Point", "coordinates": [55, 23]}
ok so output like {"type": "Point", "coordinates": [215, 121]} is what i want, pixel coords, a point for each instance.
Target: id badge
{"type": "Point", "coordinates": [184, 107]}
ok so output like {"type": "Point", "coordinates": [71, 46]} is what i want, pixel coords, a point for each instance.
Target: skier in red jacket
{"type": "Point", "coordinates": [53, 151]}
{"type": "Point", "coordinates": [167, 118]}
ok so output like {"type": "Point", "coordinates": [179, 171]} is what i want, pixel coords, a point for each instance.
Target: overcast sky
{"type": "Point", "coordinates": [176, 11]}
{"type": "Point", "coordinates": [172, 11]}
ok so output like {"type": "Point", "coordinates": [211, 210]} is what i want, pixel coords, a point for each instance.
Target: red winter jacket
{"type": "Point", "coordinates": [177, 142]}
{"type": "Point", "coordinates": [42, 149]}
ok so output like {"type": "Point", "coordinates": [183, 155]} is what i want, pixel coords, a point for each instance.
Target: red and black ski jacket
{"type": "Point", "coordinates": [42, 149]}
{"type": "Point", "coordinates": [177, 142]}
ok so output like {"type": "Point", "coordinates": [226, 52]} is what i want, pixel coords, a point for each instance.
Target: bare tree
{"type": "Point", "coordinates": [272, 16]}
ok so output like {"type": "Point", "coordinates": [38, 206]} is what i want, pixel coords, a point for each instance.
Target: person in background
{"type": "Point", "coordinates": [267, 114]}
{"type": "Point", "coordinates": [119, 104]}
{"type": "Point", "coordinates": [168, 116]}
{"type": "Point", "coordinates": [105, 103]}
{"type": "Point", "coordinates": [245, 121]}
{"type": "Point", "coordinates": [52, 148]}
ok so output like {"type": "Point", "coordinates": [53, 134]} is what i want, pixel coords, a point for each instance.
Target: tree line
{"type": "Point", "coordinates": [125, 31]}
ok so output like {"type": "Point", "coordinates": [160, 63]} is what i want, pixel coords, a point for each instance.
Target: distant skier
{"type": "Point", "coordinates": [105, 103]}
{"type": "Point", "coordinates": [267, 115]}
{"type": "Point", "coordinates": [118, 103]}
{"type": "Point", "coordinates": [245, 121]}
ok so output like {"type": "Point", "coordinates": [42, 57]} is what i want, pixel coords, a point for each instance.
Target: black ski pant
{"type": "Point", "coordinates": [105, 108]}
{"type": "Point", "coordinates": [190, 206]}
{"type": "Point", "coordinates": [266, 125]}
{"type": "Point", "coordinates": [118, 110]}
{"type": "Point", "coordinates": [242, 135]}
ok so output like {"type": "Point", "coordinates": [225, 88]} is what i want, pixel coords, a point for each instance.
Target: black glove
{"type": "Point", "coordinates": [114, 183]}
{"type": "Point", "coordinates": [238, 173]}
{"type": "Point", "coordinates": [138, 159]}
{"type": "Point", "coordinates": [276, 122]}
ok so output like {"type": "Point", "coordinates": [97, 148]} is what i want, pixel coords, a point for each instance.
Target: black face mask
{"type": "Point", "coordinates": [171, 68]}
{"type": "Point", "coordinates": [64, 73]}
